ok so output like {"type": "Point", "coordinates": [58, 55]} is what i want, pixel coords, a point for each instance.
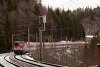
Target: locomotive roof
{"type": "Point", "coordinates": [18, 41]}
{"type": "Point", "coordinates": [98, 44]}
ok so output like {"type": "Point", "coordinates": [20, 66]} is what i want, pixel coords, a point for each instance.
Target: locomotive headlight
{"type": "Point", "coordinates": [21, 48]}
{"type": "Point", "coordinates": [14, 48]}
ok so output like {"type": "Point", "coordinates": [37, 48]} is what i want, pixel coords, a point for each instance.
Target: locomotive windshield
{"type": "Point", "coordinates": [18, 43]}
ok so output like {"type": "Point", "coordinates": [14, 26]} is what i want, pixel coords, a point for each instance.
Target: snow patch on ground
{"type": "Point", "coordinates": [4, 62]}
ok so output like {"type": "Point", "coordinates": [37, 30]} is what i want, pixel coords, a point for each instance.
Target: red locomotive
{"type": "Point", "coordinates": [19, 47]}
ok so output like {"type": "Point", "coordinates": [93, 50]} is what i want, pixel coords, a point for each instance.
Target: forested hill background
{"type": "Point", "coordinates": [17, 15]}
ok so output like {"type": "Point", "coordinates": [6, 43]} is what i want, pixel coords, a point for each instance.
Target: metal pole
{"type": "Point", "coordinates": [28, 36]}
{"type": "Point", "coordinates": [40, 35]}
{"type": "Point", "coordinates": [66, 42]}
{"type": "Point", "coordinates": [40, 40]}
{"type": "Point", "coordinates": [12, 40]}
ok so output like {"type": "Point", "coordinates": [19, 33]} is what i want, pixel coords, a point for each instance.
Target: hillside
{"type": "Point", "coordinates": [90, 19]}
{"type": "Point", "coordinates": [17, 16]}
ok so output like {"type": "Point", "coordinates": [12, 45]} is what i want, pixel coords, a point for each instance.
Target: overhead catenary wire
{"type": "Point", "coordinates": [70, 3]}
{"type": "Point", "coordinates": [66, 2]}
{"type": "Point", "coordinates": [63, 28]}
{"type": "Point", "coordinates": [73, 3]}
{"type": "Point", "coordinates": [54, 2]}
{"type": "Point", "coordinates": [62, 3]}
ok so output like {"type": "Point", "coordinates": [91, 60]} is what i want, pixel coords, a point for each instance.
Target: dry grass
{"type": "Point", "coordinates": [62, 56]}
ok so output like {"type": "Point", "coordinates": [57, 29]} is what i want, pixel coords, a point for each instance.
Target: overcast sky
{"type": "Point", "coordinates": [71, 4]}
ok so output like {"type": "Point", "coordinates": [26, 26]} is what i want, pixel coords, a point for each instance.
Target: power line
{"type": "Point", "coordinates": [67, 2]}
{"type": "Point", "coordinates": [70, 4]}
{"type": "Point", "coordinates": [64, 28]}
{"type": "Point", "coordinates": [53, 1]}
{"type": "Point", "coordinates": [62, 3]}
{"type": "Point", "coordinates": [73, 3]}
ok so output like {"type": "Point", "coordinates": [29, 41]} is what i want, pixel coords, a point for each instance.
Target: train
{"type": "Point", "coordinates": [21, 47]}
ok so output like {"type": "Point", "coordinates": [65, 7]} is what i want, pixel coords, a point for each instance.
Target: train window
{"type": "Point", "coordinates": [16, 44]}
{"type": "Point", "coordinates": [30, 46]}
{"type": "Point", "coordinates": [19, 43]}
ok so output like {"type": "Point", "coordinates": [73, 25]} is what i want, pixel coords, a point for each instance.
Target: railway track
{"type": "Point", "coordinates": [30, 59]}
{"type": "Point", "coordinates": [21, 62]}
{"type": "Point", "coordinates": [9, 60]}
{"type": "Point", "coordinates": [36, 63]}
{"type": "Point", "coordinates": [5, 62]}
{"type": "Point", "coordinates": [1, 65]}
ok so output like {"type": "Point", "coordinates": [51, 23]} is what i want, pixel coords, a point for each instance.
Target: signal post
{"type": "Point", "coordinates": [41, 29]}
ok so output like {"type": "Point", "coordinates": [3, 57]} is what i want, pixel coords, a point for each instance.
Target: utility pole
{"type": "Point", "coordinates": [12, 40]}
{"type": "Point", "coordinates": [40, 40]}
{"type": "Point", "coordinates": [66, 42]}
{"type": "Point", "coordinates": [28, 36]}
{"type": "Point", "coordinates": [41, 29]}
